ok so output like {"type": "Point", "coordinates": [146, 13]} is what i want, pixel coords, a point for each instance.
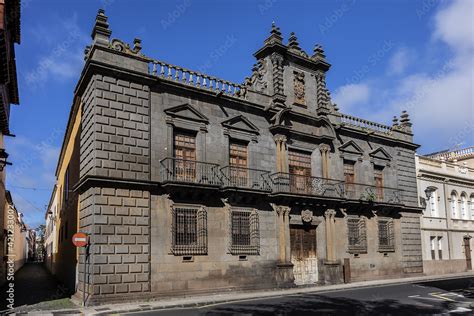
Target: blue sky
{"type": "Point", "coordinates": [386, 56]}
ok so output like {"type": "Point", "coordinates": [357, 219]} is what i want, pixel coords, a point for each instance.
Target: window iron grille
{"type": "Point", "coordinates": [244, 232]}
{"type": "Point", "coordinates": [386, 235]}
{"type": "Point", "coordinates": [357, 234]}
{"type": "Point", "coordinates": [189, 231]}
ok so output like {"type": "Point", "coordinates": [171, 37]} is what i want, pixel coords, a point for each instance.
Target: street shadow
{"type": "Point", "coordinates": [320, 305]}
{"type": "Point", "coordinates": [33, 284]}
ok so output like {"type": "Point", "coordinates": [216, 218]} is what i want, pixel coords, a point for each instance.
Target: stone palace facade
{"type": "Point", "coordinates": [188, 183]}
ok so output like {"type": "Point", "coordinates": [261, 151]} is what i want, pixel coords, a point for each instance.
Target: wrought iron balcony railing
{"type": "Point", "coordinates": [246, 178]}
{"type": "Point", "coordinates": [371, 193]}
{"type": "Point", "coordinates": [300, 184]}
{"type": "Point", "coordinates": [189, 171]}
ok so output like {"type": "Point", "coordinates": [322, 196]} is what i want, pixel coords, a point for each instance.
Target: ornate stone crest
{"type": "Point", "coordinates": [299, 88]}
{"type": "Point", "coordinates": [307, 216]}
{"type": "Point", "coordinates": [257, 80]}
{"type": "Point", "coordinates": [120, 46]}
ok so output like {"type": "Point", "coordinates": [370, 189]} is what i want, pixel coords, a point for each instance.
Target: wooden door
{"type": "Point", "coordinates": [238, 163]}
{"type": "Point", "coordinates": [185, 156]}
{"type": "Point", "coordinates": [299, 164]}
{"type": "Point", "coordinates": [378, 179]}
{"type": "Point", "coordinates": [467, 251]}
{"type": "Point", "coordinates": [349, 180]}
{"type": "Point", "coordinates": [303, 254]}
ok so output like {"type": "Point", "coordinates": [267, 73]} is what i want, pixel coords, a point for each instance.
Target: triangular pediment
{"type": "Point", "coordinates": [380, 153]}
{"type": "Point", "coordinates": [241, 123]}
{"type": "Point", "coordinates": [186, 111]}
{"type": "Point", "coordinates": [351, 147]}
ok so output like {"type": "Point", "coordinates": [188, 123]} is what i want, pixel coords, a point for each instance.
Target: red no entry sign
{"type": "Point", "coordinates": [79, 239]}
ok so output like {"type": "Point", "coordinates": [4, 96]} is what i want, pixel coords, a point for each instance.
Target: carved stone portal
{"type": "Point", "coordinates": [299, 87]}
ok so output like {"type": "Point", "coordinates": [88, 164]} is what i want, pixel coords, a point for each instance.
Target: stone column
{"type": "Point", "coordinates": [330, 235]}
{"type": "Point", "coordinates": [278, 154]}
{"type": "Point", "coordinates": [281, 234]}
{"type": "Point", "coordinates": [286, 223]}
{"type": "Point", "coordinates": [284, 269]}
{"type": "Point", "coordinates": [282, 164]}
{"type": "Point", "coordinates": [284, 155]}
{"type": "Point", "coordinates": [324, 149]}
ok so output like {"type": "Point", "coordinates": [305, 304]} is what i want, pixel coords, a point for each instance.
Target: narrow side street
{"type": "Point", "coordinates": [34, 284]}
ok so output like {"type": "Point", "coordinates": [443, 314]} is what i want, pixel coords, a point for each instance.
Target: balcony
{"type": "Point", "coordinates": [174, 170]}
{"type": "Point", "coordinates": [306, 185]}
{"type": "Point", "coordinates": [246, 178]}
{"type": "Point", "coordinates": [371, 193]}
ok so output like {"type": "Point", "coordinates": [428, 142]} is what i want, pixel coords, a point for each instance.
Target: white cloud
{"type": "Point", "coordinates": [349, 95]}
{"type": "Point", "coordinates": [440, 102]}
{"type": "Point", "coordinates": [399, 61]}
{"type": "Point", "coordinates": [454, 25]}
{"type": "Point", "coordinates": [64, 58]}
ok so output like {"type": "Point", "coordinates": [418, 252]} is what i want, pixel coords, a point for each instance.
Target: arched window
{"type": "Point", "coordinates": [464, 210]}
{"type": "Point", "coordinates": [472, 206]}
{"type": "Point", "coordinates": [454, 204]}
{"type": "Point", "coordinates": [433, 201]}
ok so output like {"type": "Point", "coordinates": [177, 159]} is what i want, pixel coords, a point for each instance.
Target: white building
{"type": "Point", "coordinates": [446, 189]}
{"type": "Point", "coordinates": [50, 243]}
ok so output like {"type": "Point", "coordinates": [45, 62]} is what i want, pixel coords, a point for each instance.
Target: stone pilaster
{"type": "Point", "coordinates": [324, 149]}
{"type": "Point", "coordinates": [284, 270]}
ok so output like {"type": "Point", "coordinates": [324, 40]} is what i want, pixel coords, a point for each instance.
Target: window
{"type": "Point", "coordinates": [189, 231]}
{"type": "Point", "coordinates": [349, 178]}
{"type": "Point", "coordinates": [300, 171]}
{"type": "Point", "coordinates": [356, 228]}
{"type": "Point", "coordinates": [378, 180]}
{"type": "Point", "coordinates": [66, 186]}
{"type": "Point", "coordinates": [185, 156]}
{"type": "Point", "coordinates": [433, 202]}
{"type": "Point", "coordinates": [244, 230]}
{"type": "Point", "coordinates": [386, 234]}
{"type": "Point", "coordinates": [454, 204]}
{"type": "Point", "coordinates": [433, 247]}
{"type": "Point", "coordinates": [472, 207]}
{"type": "Point", "coordinates": [238, 162]}
{"type": "Point", "coordinates": [440, 248]}
{"type": "Point", "coordinates": [464, 214]}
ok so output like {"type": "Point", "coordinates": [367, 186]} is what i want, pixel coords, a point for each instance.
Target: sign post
{"type": "Point", "coordinates": [81, 240]}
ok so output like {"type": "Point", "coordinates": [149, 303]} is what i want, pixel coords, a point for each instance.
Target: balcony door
{"type": "Point", "coordinates": [378, 180]}
{"type": "Point", "coordinates": [238, 161]}
{"type": "Point", "coordinates": [185, 156]}
{"type": "Point", "coordinates": [349, 179]}
{"type": "Point", "coordinates": [299, 164]}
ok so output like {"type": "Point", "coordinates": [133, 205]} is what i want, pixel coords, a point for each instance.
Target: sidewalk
{"type": "Point", "coordinates": [233, 297]}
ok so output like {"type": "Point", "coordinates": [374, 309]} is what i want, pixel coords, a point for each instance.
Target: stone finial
{"type": "Point", "coordinates": [318, 52]}
{"type": "Point", "coordinates": [405, 122]}
{"type": "Point", "coordinates": [275, 35]}
{"type": "Point", "coordinates": [293, 42]}
{"type": "Point", "coordinates": [101, 32]}
{"type": "Point", "coordinates": [395, 121]}
{"type": "Point", "coordinates": [405, 119]}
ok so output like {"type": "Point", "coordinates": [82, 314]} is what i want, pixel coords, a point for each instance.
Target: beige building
{"type": "Point", "coordinates": [446, 189]}
{"type": "Point", "coordinates": [17, 234]}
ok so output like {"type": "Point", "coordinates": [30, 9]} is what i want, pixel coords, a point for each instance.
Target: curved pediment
{"type": "Point", "coordinates": [187, 112]}
{"type": "Point", "coordinates": [241, 123]}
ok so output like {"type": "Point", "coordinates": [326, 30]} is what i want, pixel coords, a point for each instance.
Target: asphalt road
{"type": "Point", "coordinates": [455, 296]}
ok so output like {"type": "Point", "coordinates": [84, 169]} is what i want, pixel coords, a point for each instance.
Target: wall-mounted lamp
{"type": "Point", "coordinates": [3, 159]}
